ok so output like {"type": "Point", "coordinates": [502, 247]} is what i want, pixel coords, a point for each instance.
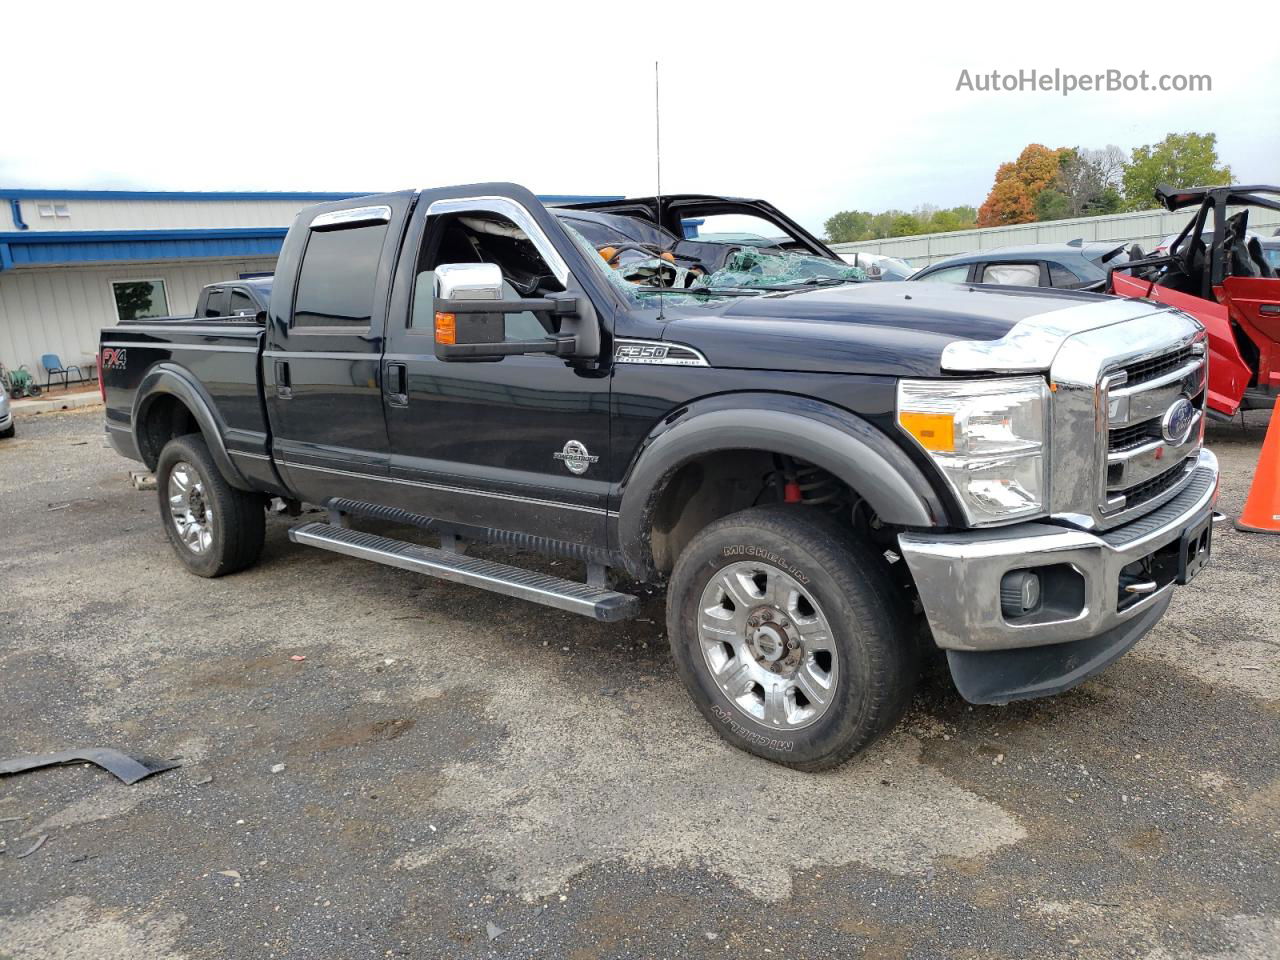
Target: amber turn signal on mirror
{"type": "Point", "coordinates": [446, 328]}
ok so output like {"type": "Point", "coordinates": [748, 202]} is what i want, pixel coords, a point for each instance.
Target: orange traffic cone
{"type": "Point", "coordinates": [1262, 506]}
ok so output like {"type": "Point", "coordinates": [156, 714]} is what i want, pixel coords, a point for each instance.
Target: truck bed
{"type": "Point", "coordinates": [217, 359]}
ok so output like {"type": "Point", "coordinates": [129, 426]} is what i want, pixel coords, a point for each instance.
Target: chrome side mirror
{"type": "Point", "coordinates": [469, 281]}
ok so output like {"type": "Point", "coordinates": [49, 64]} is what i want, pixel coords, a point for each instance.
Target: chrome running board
{"type": "Point", "coordinates": [598, 603]}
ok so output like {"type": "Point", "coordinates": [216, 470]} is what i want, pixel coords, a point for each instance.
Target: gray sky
{"type": "Point", "coordinates": [817, 112]}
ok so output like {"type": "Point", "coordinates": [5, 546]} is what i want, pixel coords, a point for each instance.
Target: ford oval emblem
{"type": "Point", "coordinates": [1176, 424]}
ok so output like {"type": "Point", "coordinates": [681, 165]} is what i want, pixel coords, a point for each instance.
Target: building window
{"type": "Point", "coordinates": [52, 211]}
{"type": "Point", "coordinates": [139, 299]}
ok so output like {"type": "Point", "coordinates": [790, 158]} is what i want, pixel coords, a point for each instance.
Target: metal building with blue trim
{"type": "Point", "coordinates": [66, 254]}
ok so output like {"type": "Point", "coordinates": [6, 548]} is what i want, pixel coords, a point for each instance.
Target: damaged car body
{"type": "Point", "coordinates": [821, 471]}
{"type": "Point", "coordinates": [1220, 273]}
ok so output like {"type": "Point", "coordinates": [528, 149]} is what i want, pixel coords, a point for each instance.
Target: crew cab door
{"type": "Point", "coordinates": [321, 366]}
{"type": "Point", "coordinates": [518, 443]}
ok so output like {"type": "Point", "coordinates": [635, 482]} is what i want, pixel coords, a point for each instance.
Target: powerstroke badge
{"type": "Point", "coordinates": [575, 458]}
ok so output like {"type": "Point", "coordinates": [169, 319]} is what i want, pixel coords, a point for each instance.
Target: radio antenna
{"type": "Point", "coordinates": [657, 135]}
{"type": "Point", "coordinates": [657, 156]}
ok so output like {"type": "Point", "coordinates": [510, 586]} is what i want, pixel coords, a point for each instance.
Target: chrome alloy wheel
{"type": "Point", "coordinates": [192, 514]}
{"type": "Point", "coordinates": [768, 645]}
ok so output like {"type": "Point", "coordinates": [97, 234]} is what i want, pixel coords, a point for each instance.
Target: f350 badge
{"type": "Point", "coordinates": [575, 457]}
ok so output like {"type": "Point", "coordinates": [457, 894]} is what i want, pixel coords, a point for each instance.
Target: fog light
{"type": "Point", "coordinates": [1019, 593]}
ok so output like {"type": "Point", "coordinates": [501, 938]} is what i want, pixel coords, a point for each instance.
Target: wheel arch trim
{"type": "Point", "coordinates": [167, 379]}
{"type": "Point", "coordinates": [846, 445]}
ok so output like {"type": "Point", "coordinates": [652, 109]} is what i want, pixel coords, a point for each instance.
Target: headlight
{"type": "Point", "coordinates": [988, 439]}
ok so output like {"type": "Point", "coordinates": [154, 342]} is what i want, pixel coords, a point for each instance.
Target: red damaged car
{"type": "Point", "coordinates": [1217, 272]}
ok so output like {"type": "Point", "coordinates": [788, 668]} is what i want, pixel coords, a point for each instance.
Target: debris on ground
{"type": "Point", "coordinates": [493, 930]}
{"type": "Point", "coordinates": [142, 480]}
{"type": "Point", "coordinates": [277, 768]}
{"type": "Point", "coordinates": [298, 657]}
{"type": "Point", "coordinates": [34, 847]}
{"type": "Point", "coordinates": [128, 769]}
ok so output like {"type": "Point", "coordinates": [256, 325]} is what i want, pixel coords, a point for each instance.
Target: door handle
{"type": "Point", "coordinates": [284, 383]}
{"type": "Point", "coordinates": [397, 385]}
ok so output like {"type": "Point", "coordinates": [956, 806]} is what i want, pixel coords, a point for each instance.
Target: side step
{"type": "Point", "coordinates": [595, 602]}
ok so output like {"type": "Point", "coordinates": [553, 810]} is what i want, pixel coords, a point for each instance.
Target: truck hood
{"type": "Point", "coordinates": [890, 329]}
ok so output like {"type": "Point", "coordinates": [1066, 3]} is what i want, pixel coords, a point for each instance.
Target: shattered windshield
{"type": "Point", "coordinates": [750, 268]}
{"type": "Point", "coordinates": [698, 270]}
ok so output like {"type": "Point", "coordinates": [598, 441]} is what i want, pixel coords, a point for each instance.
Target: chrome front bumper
{"type": "Point", "coordinates": [958, 576]}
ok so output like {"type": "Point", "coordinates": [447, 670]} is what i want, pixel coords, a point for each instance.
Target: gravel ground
{"type": "Point", "coordinates": [470, 776]}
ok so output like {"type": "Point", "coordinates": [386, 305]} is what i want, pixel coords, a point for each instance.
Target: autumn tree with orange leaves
{"type": "Point", "coordinates": [1013, 196]}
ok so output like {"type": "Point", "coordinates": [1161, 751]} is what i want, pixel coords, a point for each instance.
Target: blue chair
{"type": "Point", "coordinates": [53, 366]}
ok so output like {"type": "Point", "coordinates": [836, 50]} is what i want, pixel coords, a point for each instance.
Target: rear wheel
{"type": "Point", "coordinates": [215, 529]}
{"type": "Point", "coordinates": [789, 637]}
{"type": "Point", "coordinates": [8, 431]}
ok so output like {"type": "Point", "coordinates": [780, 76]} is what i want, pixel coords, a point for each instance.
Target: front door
{"type": "Point", "coordinates": [518, 444]}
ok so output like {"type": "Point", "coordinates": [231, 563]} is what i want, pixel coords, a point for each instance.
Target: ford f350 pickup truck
{"type": "Point", "coordinates": [816, 468]}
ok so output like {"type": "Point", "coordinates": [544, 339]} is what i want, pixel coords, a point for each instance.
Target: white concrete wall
{"type": "Point", "coordinates": [156, 214]}
{"type": "Point", "coordinates": [61, 309]}
{"type": "Point", "coordinates": [1144, 227]}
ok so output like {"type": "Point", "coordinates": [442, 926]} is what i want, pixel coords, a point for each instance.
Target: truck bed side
{"type": "Point", "coordinates": [165, 377]}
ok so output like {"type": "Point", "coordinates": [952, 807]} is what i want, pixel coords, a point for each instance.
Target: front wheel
{"type": "Point", "coordinates": [215, 529]}
{"type": "Point", "coordinates": [788, 636]}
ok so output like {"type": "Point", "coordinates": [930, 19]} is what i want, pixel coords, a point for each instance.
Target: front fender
{"type": "Point", "coordinates": [827, 436]}
{"type": "Point", "coordinates": [169, 379]}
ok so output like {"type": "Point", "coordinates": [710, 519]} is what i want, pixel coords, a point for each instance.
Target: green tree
{"type": "Point", "coordinates": [850, 225]}
{"type": "Point", "coordinates": [1179, 160]}
{"type": "Point", "coordinates": [847, 226]}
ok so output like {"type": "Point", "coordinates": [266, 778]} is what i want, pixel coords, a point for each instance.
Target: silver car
{"type": "Point", "coordinates": [6, 415]}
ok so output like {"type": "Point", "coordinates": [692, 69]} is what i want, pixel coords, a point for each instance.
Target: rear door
{"type": "Point", "coordinates": [321, 367]}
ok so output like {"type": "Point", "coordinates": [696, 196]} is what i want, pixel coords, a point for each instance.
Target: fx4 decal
{"type": "Point", "coordinates": [113, 358]}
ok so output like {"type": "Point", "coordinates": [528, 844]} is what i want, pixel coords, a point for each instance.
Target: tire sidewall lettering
{"type": "Point", "coordinates": [737, 551]}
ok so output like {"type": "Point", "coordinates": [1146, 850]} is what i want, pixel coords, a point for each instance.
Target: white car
{"type": "Point", "coordinates": [6, 415]}
{"type": "Point", "coordinates": [879, 266]}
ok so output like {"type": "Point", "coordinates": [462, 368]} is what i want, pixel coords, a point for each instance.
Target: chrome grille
{"type": "Point", "coordinates": [1126, 438]}
{"type": "Point", "coordinates": [1141, 467]}
{"type": "Point", "coordinates": [1145, 370]}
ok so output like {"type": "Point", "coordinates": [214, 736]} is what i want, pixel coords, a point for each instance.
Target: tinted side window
{"type": "Point", "coordinates": [241, 303]}
{"type": "Point", "coordinates": [336, 281]}
{"type": "Point", "coordinates": [217, 305]}
{"type": "Point", "coordinates": [1060, 276]}
{"type": "Point", "coordinates": [949, 275]}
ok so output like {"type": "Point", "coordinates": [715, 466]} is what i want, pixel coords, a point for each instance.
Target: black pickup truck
{"type": "Point", "coordinates": [829, 476]}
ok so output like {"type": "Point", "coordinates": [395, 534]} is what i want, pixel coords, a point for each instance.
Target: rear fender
{"type": "Point", "coordinates": [843, 444]}
{"type": "Point", "coordinates": [168, 379]}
